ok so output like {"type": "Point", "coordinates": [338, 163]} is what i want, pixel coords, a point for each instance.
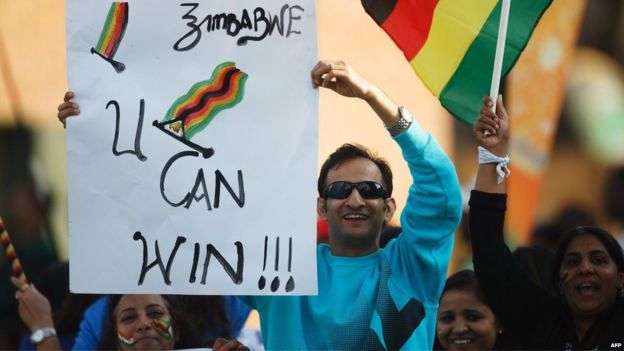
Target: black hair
{"type": "Point", "coordinates": [207, 312]}
{"type": "Point", "coordinates": [348, 152]}
{"type": "Point", "coordinates": [608, 241]}
{"type": "Point", "coordinates": [181, 322]}
{"type": "Point", "coordinates": [466, 280]}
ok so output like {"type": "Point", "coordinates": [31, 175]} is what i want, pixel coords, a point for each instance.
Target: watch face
{"type": "Point", "coordinates": [37, 336]}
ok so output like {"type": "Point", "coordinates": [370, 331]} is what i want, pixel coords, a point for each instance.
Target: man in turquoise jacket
{"type": "Point", "coordinates": [372, 298]}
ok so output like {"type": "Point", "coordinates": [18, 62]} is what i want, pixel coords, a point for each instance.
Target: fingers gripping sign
{"type": "Point", "coordinates": [221, 344]}
{"type": "Point", "coordinates": [67, 108]}
{"type": "Point", "coordinates": [339, 77]}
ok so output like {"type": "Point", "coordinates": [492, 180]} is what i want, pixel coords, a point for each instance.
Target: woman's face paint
{"type": "Point", "coordinates": [125, 340]}
{"type": "Point", "coordinates": [565, 278]}
{"type": "Point", "coordinates": [163, 328]}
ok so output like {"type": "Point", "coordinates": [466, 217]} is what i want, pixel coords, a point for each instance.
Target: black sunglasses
{"type": "Point", "coordinates": [368, 190]}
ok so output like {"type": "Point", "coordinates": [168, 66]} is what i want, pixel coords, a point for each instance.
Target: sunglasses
{"type": "Point", "coordinates": [368, 190]}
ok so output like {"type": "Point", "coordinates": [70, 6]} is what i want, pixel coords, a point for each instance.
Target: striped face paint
{"type": "Point", "coordinates": [565, 279]}
{"type": "Point", "coordinates": [128, 341]}
{"type": "Point", "coordinates": [163, 328]}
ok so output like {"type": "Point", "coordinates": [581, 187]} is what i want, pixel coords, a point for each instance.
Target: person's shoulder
{"type": "Point", "coordinates": [98, 308]}
{"type": "Point", "coordinates": [234, 304]}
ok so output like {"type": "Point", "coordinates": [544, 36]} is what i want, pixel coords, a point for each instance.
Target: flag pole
{"type": "Point", "coordinates": [500, 53]}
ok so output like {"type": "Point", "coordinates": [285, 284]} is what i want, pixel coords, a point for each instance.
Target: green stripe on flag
{"type": "Point", "coordinates": [106, 28]}
{"type": "Point", "coordinates": [463, 94]}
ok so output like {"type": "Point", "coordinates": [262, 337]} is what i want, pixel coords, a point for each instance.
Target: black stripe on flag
{"type": "Point", "coordinates": [379, 10]}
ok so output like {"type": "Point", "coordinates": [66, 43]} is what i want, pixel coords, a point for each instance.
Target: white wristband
{"type": "Point", "coordinates": [502, 170]}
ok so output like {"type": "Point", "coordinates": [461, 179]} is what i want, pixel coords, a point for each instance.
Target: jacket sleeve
{"type": "Point", "coordinates": [432, 212]}
{"type": "Point", "coordinates": [512, 295]}
{"type": "Point", "coordinates": [237, 312]}
{"type": "Point", "coordinates": [92, 325]}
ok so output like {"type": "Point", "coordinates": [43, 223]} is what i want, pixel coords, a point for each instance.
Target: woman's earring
{"type": "Point", "coordinates": [500, 331]}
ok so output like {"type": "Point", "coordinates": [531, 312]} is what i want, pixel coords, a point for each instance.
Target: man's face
{"type": "Point", "coordinates": [355, 222]}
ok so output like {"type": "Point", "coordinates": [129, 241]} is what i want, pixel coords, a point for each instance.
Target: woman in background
{"type": "Point", "coordinates": [465, 320]}
{"type": "Point", "coordinates": [587, 311]}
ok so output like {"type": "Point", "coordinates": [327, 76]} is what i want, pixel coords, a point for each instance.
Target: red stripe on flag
{"type": "Point", "coordinates": [408, 25]}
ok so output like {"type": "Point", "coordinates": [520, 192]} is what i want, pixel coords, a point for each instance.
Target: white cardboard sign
{"type": "Point", "coordinates": [192, 166]}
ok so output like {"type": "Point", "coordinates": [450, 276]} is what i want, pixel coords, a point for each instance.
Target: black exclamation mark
{"type": "Point", "coordinates": [262, 280]}
{"type": "Point", "coordinates": [276, 282]}
{"type": "Point", "coordinates": [290, 284]}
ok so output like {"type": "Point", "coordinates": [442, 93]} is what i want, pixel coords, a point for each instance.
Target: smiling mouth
{"type": "Point", "coordinates": [587, 289]}
{"type": "Point", "coordinates": [461, 341]}
{"type": "Point", "coordinates": [355, 216]}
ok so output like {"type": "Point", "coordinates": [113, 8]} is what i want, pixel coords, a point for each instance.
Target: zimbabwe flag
{"type": "Point", "coordinates": [451, 43]}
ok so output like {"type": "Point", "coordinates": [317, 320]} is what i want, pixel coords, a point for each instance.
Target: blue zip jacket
{"type": "Point", "coordinates": [388, 299]}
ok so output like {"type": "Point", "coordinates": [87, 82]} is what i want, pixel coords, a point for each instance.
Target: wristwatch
{"type": "Point", "coordinates": [405, 120]}
{"type": "Point", "coordinates": [38, 335]}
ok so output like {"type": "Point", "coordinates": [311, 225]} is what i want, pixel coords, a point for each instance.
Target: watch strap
{"type": "Point", "coordinates": [405, 120]}
{"type": "Point", "coordinates": [38, 335]}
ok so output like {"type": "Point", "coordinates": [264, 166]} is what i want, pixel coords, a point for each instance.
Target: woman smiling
{"type": "Point", "coordinates": [588, 273]}
{"type": "Point", "coordinates": [465, 320]}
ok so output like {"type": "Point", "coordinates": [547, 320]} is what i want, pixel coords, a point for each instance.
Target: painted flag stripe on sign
{"type": "Point", "coordinates": [451, 43]}
{"type": "Point", "coordinates": [113, 30]}
{"type": "Point", "coordinates": [193, 98]}
{"type": "Point", "coordinates": [228, 96]}
{"type": "Point", "coordinates": [198, 107]}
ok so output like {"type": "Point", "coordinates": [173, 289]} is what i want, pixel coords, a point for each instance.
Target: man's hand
{"type": "Point", "coordinates": [341, 78]}
{"type": "Point", "coordinates": [344, 80]}
{"type": "Point", "coordinates": [67, 108]}
{"type": "Point", "coordinates": [496, 124]}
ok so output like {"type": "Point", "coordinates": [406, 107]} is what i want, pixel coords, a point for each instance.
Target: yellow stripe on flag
{"type": "Point", "coordinates": [111, 29]}
{"type": "Point", "coordinates": [455, 25]}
